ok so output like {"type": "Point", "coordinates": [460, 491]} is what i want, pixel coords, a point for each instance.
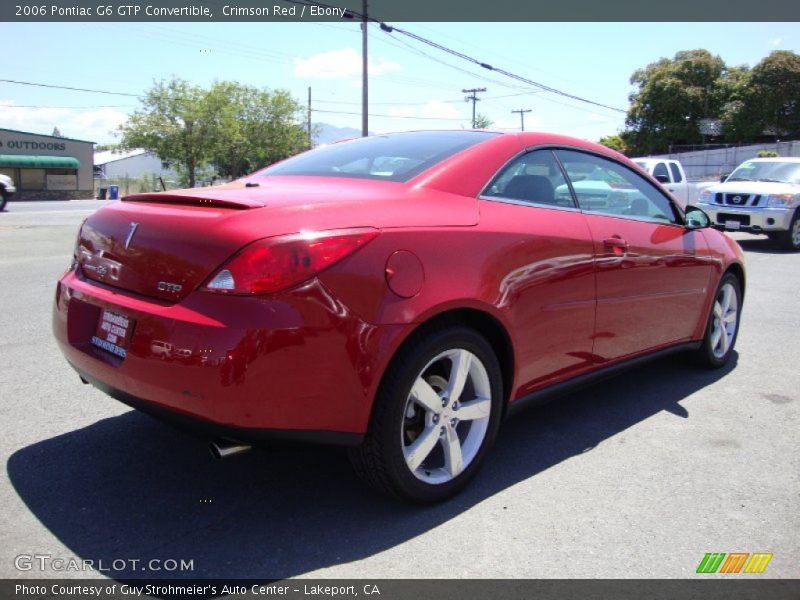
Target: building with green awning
{"type": "Point", "coordinates": [39, 162]}
{"type": "Point", "coordinates": [46, 167]}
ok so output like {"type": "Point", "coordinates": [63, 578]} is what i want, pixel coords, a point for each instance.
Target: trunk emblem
{"type": "Point", "coordinates": [131, 231]}
{"type": "Point", "coordinates": [99, 269]}
{"type": "Point", "coordinates": [166, 286]}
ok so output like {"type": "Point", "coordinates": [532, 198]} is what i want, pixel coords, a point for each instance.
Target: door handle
{"type": "Point", "coordinates": [616, 243]}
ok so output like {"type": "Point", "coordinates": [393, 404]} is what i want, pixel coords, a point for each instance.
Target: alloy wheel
{"type": "Point", "coordinates": [725, 320]}
{"type": "Point", "coordinates": [446, 416]}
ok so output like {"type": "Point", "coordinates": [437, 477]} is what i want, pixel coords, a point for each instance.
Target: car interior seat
{"type": "Point", "coordinates": [640, 207]}
{"type": "Point", "coordinates": [533, 188]}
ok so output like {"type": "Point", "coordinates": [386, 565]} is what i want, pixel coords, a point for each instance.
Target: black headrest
{"type": "Point", "coordinates": [535, 188]}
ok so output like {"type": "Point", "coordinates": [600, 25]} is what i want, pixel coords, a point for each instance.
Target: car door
{"type": "Point", "coordinates": [543, 275]}
{"type": "Point", "coordinates": [652, 272]}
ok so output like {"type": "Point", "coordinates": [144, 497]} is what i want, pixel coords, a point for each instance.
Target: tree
{"type": "Point", "coordinates": [236, 127]}
{"type": "Point", "coordinates": [170, 124]}
{"type": "Point", "coordinates": [775, 93]}
{"type": "Point", "coordinates": [482, 122]}
{"type": "Point", "coordinates": [615, 142]}
{"type": "Point", "coordinates": [671, 96]}
{"type": "Point", "coordinates": [735, 100]}
{"type": "Point", "coordinates": [251, 127]}
{"type": "Point", "coordinates": [56, 132]}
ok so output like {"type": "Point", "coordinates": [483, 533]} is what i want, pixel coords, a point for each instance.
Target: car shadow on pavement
{"type": "Point", "coordinates": [762, 245]}
{"type": "Point", "coordinates": [128, 487]}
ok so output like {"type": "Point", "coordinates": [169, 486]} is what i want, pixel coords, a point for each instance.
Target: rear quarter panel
{"type": "Point", "coordinates": [535, 277]}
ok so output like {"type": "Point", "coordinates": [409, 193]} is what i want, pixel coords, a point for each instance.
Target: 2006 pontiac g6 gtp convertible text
{"type": "Point", "coordinates": [397, 293]}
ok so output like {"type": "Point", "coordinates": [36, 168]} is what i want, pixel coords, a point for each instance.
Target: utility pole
{"type": "Point", "coordinates": [474, 97]}
{"type": "Point", "coordinates": [308, 122]}
{"type": "Point", "coordinates": [521, 112]}
{"type": "Point", "coordinates": [364, 77]}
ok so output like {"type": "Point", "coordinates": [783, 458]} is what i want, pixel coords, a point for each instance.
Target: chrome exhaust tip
{"type": "Point", "coordinates": [223, 448]}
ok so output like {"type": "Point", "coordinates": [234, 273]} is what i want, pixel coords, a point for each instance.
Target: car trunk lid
{"type": "Point", "coordinates": [157, 250]}
{"type": "Point", "coordinates": [164, 245]}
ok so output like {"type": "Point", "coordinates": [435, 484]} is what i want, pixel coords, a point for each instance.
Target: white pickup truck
{"type": "Point", "coordinates": [761, 196]}
{"type": "Point", "coordinates": [670, 174]}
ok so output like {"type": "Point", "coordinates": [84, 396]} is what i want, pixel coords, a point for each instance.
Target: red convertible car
{"type": "Point", "coordinates": [397, 293]}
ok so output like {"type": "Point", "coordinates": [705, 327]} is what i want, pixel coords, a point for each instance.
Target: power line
{"type": "Point", "coordinates": [72, 107]}
{"type": "Point", "coordinates": [47, 85]}
{"type": "Point", "coordinates": [423, 40]}
{"type": "Point", "coordinates": [490, 51]}
{"type": "Point", "coordinates": [404, 103]}
{"type": "Point", "coordinates": [259, 55]}
{"type": "Point", "coordinates": [342, 112]}
{"type": "Point", "coordinates": [496, 69]}
{"type": "Point", "coordinates": [64, 87]}
{"type": "Point", "coordinates": [398, 43]}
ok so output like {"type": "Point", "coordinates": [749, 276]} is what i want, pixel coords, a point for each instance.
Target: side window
{"type": "Point", "coordinates": [661, 169]}
{"type": "Point", "coordinates": [676, 173]}
{"type": "Point", "coordinates": [533, 177]}
{"type": "Point", "coordinates": [606, 187]}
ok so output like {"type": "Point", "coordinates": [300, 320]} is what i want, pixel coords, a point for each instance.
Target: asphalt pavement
{"type": "Point", "coordinates": [637, 477]}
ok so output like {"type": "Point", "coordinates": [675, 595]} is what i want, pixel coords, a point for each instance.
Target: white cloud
{"type": "Point", "coordinates": [101, 120]}
{"type": "Point", "coordinates": [338, 64]}
{"type": "Point", "coordinates": [402, 111]}
{"type": "Point", "coordinates": [95, 125]}
{"type": "Point", "coordinates": [775, 42]}
{"type": "Point", "coordinates": [511, 123]}
{"type": "Point", "coordinates": [430, 110]}
{"type": "Point", "coordinates": [440, 110]}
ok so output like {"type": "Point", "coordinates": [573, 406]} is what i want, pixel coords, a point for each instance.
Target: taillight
{"type": "Point", "coordinates": [278, 263]}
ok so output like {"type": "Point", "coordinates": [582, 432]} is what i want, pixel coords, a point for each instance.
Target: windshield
{"type": "Point", "coordinates": [396, 157]}
{"type": "Point", "coordinates": [780, 172]}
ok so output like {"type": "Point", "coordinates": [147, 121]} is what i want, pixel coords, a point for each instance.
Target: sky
{"type": "Point", "coordinates": [410, 86]}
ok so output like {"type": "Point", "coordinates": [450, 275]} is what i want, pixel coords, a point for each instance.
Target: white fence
{"type": "Point", "coordinates": [710, 164]}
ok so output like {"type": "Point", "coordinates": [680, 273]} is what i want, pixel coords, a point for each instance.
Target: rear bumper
{"type": "Point", "coordinates": [750, 219]}
{"type": "Point", "coordinates": [297, 365]}
{"type": "Point", "coordinates": [212, 430]}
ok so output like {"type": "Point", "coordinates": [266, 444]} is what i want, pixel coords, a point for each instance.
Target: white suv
{"type": "Point", "coordinates": [7, 190]}
{"type": "Point", "coordinates": [761, 196]}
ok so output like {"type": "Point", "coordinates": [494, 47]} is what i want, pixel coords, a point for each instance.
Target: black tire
{"type": "Point", "coordinates": [790, 240]}
{"type": "Point", "coordinates": [3, 199]}
{"type": "Point", "coordinates": [381, 461]}
{"type": "Point", "coordinates": [711, 354]}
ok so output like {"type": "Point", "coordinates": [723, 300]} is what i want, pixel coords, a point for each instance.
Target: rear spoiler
{"type": "Point", "coordinates": [235, 198]}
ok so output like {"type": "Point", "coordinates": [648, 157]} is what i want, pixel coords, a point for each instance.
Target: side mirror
{"type": "Point", "coordinates": [662, 178]}
{"type": "Point", "coordinates": [696, 218]}
{"type": "Point", "coordinates": [723, 177]}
